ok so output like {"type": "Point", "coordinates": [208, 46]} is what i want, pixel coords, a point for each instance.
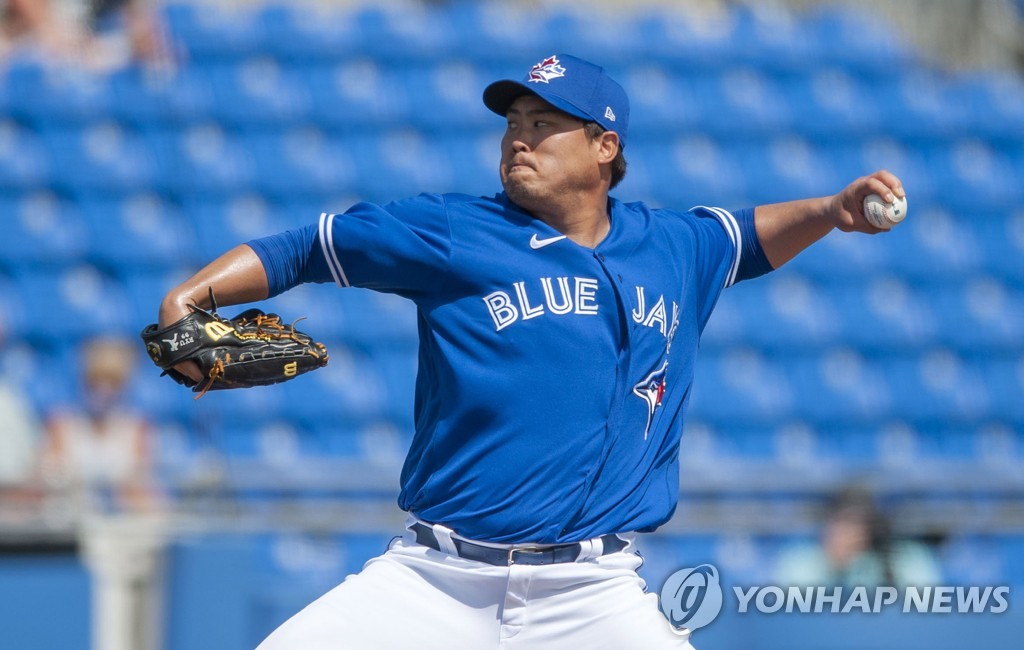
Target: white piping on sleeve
{"type": "Point", "coordinates": [732, 228]}
{"type": "Point", "coordinates": [327, 243]}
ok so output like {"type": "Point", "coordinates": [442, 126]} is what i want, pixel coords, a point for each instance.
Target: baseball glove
{"type": "Point", "coordinates": [251, 349]}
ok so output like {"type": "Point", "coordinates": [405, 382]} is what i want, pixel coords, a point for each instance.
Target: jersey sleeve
{"type": "Point", "coordinates": [728, 251]}
{"type": "Point", "coordinates": [402, 247]}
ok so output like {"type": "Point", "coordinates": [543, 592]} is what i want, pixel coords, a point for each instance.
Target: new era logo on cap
{"type": "Point", "coordinates": [570, 84]}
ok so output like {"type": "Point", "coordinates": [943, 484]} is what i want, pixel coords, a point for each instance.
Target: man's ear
{"type": "Point", "coordinates": [609, 146]}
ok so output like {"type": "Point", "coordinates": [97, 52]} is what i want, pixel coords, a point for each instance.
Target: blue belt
{"type": "Point", "coordinates": [534, 556]}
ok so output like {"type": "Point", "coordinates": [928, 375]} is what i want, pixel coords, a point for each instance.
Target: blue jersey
{"type": "Point", "coordinates": [553, 378]}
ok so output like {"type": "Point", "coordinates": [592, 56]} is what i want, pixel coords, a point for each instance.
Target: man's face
{"type": "Point", "coordinates": [545, 155]}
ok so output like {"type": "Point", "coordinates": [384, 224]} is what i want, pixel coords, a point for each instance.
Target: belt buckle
{"type": "Point", "coordinates": [529, 550]}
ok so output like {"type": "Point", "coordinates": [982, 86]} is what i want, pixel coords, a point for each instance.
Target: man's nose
{"type": "Point", "coordinates": [519, 145]}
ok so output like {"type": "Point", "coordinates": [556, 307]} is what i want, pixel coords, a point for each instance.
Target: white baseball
{"type": "Point", "coordinates": [884, 215]}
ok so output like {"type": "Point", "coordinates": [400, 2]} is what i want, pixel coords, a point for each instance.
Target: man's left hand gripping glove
{"type": "Point", "coordinates": [251, 349]}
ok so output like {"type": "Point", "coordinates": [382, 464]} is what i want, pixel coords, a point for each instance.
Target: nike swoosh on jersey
{"type": "Point", "coordinates": [536, 244]}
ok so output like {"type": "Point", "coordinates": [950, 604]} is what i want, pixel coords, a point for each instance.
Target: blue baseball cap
{"type": "Point", "coordinates": [570, 84]}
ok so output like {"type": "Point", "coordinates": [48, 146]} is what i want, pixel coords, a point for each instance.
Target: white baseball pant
{"type": "Point", "coordinates": [413, 596]}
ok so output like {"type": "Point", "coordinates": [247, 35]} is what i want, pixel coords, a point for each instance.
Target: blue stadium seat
{"type": "Point", "coordinates": [14, 318]}
{"type": "Point", "coordinates": [223, 222]}
{"type": "Point", "coordinates": [828, 102]}
{"type": "Point", "coordinates": [399, 163]}
{"type": "Point", "coordinates": [740, 101]}
{"type": "Point", "coordinates": [25, 163]}
{"type": "Point", "coordinates": [1001, 234]}
{"type": "Point", "coordinates": [140, 230]}
{"type": "Point", "coordinates": [934, 244]}
{"type": "Point", "coordinates": [44, 93]}
{"type": "Point", "coordinates": [786, 167]}
{"type": "Point", "coordinates": [102, 157]}
{"type": "Point", "coordinates": [1003, 375]}
{"type": "Point", "coordinates": [841, 32]}
{"type": "Point", "coordinates": [213, 32]}
{"type": "Point", "coordinates": [142, 96]}
{"type": "Point", "coordinates": [358, 93]}
{"type": "Point", "coordinates": [69, 296]}
{"type": "Point", "coordinates": [882, 312]}
{"type": "Point", "coordinates": [980, 313]}
{"type": "Point", "coordinates": [985, 177]}
{"type": "Point", "coordinates": [204, 159]}
{"type": "Point", "coordinates": [507, 34]}
{"type": "Point", "coordinates": [659, 101]}
{"type": "Point", "coordinates": [448, 96]}
{"type": "Point", "coordinates": [301, 161]}
{"type": "Point", "coordinates": [474, 160]}
{"type": "Point", "coordinates": [257, 91]}
{"type": "Point", "coordinates": [842, 386]}
{"type": "Point", "coordinates": [741, 386]}
{"type": "Point", "coordinates": [40, 371]}
{"type": "Point", "coordinates": [309, 32]}
{"type": "Point", "coordinates": [994, 102]}
{"type": "Point", "coordinates": [687, 39]}
{"type": "Point", "coordinates": [919, 104]}
{"type": "Point", "coordinates": [940, 386]}
{"type": "Point", "coordinates": [689, 170]}
{"type": "Point", "coordinates": [42, 228]}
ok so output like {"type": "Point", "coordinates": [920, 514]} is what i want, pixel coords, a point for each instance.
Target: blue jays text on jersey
{"type": "Point", "coordinates": [553, 378]}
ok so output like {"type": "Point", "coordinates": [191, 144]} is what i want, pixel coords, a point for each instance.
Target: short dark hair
{"type": "Point", "coordinates": [594, 131]}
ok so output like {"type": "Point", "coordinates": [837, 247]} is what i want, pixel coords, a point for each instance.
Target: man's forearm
{"type": "Point", "coordinates": [237, 277]}
{"type": "Point", "coordinates": [785, 229]}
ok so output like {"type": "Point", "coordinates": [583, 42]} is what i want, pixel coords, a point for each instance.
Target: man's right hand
{"type": "Point", "coordinates": [171, 311]}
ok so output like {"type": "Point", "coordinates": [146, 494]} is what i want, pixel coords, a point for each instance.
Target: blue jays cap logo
{"type": "Point", "coordinates": [546, 70]}
{"type": "Point", "coordinates": [651, 389]}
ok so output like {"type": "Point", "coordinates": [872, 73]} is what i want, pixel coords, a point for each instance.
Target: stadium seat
{"type": "Point", "coordinates": [42, 228]}
{"type": "Point", "coordinates": [102, 157]}
{"type": "Point", "coordinates": [842, 386]}
{"type": "Point", "coordinates": [147, 97]}
{"type": "Point", "coordinates": [203, 159]}
{"type": "Point", "coordinates": [257, 90]}
{"type": "Point", "coordinates": [302, 161]}
{"type": "Point", "coordinates": [69, 297]}
{"type": "Point", "coordinates": [358, 93]}
{"type": "Point", "coordinates": [447, 97]}
{"type": "Point", "coordinates": [140, 230]}
{"type": "Point", "coordinates": [826, 102]}
{"type": "Point", "coordinates": [46, 94]}
{"type": "Point", "coordinates": [222, 222]}
{"type": "Point", "coordinates": [213, 32]}
{"type": "Point", "coordinates": [25, 162]}
{"type": "Point", "coordinates": [308, 32]}
{"type": "Point", "coordinates": [841, 31]}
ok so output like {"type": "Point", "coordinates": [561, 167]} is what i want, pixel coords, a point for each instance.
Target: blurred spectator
{"type": "Point", "coordinates": [19, 432]}
{"type": "Point", "coordinates": [857, 548]}
{"type": "Point", "coordinates": [99, 454]}
{"type": "Point", "coordinates": [100, 34]}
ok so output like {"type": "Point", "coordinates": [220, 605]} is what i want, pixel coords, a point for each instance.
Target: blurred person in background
{"type": "Point", "coordinates": [98, 453]}
{"type": "Point", "coordinates": [19, 433]}
{"type": "Point", "coordinates": [101, 35]}
{"type": "Point", "coordinates": [857, 548]}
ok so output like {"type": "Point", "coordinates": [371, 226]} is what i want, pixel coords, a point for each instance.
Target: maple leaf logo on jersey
{"type": "Point", "coordinates": [651, 389]}
{"type": "Point", "coordinates": [546, 70]}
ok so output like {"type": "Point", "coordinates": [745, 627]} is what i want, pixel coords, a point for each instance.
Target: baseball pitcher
{"type": "Point", "coordinates": [558, 329]}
